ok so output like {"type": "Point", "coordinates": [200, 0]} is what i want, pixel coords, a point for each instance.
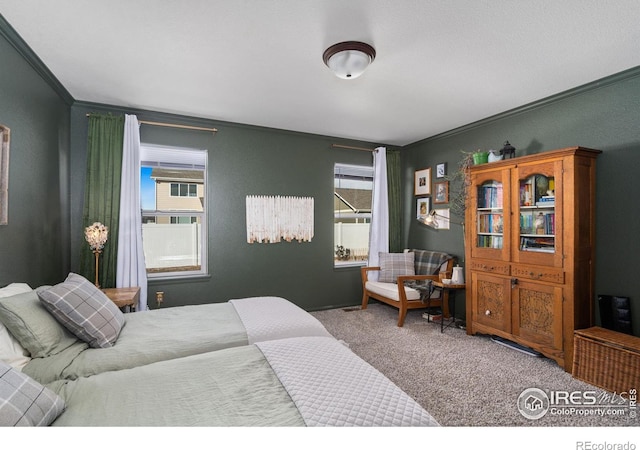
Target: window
{"type": "Point", "coordinates": [173, 186]}
{"type": "Point", "coordinates": [353, 187]}
{"type": "Point", "coordinates": [184, 190]}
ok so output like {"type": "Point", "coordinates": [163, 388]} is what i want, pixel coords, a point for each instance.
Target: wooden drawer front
{"type": "Point", "coordinates": [490, 267]}
{"type": "Point", "coordinates": [538, 273]}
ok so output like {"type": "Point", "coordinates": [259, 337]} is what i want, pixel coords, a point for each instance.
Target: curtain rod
{"type": "Point", "coordinates": [354, 148]}
{"type": "Point", "coordinates": [173, 125]}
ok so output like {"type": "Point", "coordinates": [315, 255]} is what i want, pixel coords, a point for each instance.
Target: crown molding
{"type": "Point", "coordinates": [8, 32]}
{"type": "Point", "coordinates": [585, 88]}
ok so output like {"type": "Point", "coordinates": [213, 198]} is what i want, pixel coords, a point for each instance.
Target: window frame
{"type": "Point", "coordinates": [201, 164]}
{"type": "Point", "coordinates": [357, 168]}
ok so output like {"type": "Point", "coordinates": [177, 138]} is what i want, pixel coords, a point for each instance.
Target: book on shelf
{"type": "Point", "coordinates": [534, 244]}
{"type": "Point", "coordinates": [546, 200]}
{"type": "Point", "coordinates": [490, 241]}
{"type": "Point", "coordinates": [533, 189]}
{"type": "Point", "coordinates": [490, 196]}
{"type": "Point", "coordinates": [528, 222]}
{"type": "Point", "coordinates": [490, 223]}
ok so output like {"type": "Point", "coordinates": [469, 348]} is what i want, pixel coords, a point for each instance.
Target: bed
{"type": "Point", "coordinates": [50, 352]}
{"type": "Point", "coordinates": [231, 364]}
{"type": "Point", "coordinates": [304, 381]}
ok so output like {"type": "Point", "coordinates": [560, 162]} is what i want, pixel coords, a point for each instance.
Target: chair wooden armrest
{"type": "Point", "coordinates": [364, 272]}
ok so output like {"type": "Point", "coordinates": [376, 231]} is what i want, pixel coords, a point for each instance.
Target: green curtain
{"type": "Point", "coordinates": [102, 193]}
{"type": "Point", "coordinates": [394, 188]}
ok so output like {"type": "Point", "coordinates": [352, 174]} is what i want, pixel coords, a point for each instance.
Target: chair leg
{"type": "Point", "coordinates": [402, 313]}
{"type": "Point", "coordinates": [365, 300]}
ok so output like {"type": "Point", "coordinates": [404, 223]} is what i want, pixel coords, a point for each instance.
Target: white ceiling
{"type": "Point", "coordinates": [440, 64]}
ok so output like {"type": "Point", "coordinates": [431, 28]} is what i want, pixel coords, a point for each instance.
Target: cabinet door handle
{"type": "Point", "coordinates": [514, 282]}
{"type": "Point", "coordinates": [487, 313]}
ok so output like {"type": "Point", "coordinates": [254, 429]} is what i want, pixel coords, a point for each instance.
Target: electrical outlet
{"type": "Point", "coordinates": [159, 298]}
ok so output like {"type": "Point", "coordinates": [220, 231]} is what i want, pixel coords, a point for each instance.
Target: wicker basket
{"type": "Point", "coordinates": [607, 359]}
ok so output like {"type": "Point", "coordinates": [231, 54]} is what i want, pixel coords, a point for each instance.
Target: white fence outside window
{"type": "Point", "coordinates": [355, 237]}
{"type": "Point", "coordinates": [171, 245]}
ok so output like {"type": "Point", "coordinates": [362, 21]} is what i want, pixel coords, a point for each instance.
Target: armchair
{"type": "Point", "coordinates": [396, 272]}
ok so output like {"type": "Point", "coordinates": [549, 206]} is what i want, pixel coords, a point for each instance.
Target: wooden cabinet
{"type": "Point", "coordinates": [530, 249]}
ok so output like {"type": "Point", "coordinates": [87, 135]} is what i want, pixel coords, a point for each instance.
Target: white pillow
{"type": "Point", "coordinates": [11, 352]}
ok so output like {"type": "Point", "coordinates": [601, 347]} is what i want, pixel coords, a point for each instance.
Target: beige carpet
{"type": "Point", "coordinates": [461, 380]}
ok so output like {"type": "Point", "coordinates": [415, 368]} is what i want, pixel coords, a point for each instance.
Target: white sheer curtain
{"type": "Point", "coordinates": [131, 270]}
{"type": "Point", "coordinates": [379, 229]}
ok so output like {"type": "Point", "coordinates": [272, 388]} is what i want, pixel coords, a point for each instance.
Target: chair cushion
{"type": "Point", "coordinates": [84, 310]}
{"type": "Point", "coordinates": [390, 290]}
{"type": "Point", "coordinates": [428, 262]}
{"type": "Point", "coordinates": [393, 265]}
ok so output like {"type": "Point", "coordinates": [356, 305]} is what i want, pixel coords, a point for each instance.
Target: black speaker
{"type": "Point", "coordinates": [615, 313]}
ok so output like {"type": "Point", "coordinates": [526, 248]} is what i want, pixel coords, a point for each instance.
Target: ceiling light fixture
{"type": "Point", "coordinates": [349, 59]}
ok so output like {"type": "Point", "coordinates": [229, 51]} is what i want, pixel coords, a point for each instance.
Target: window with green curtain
{"type": "Point", "coordinates": [102, 193]}
{"type": "Point", "coordinates": [394, 192]}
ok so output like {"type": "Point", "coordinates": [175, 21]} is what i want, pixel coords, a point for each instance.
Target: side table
{"type": "Point", "coordinates": [452, 289]}
{"type": "Point", "coordinates": [124, 297]}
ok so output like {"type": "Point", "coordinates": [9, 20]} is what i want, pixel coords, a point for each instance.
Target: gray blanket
{"type": "Point", "coordinates": [313, 381]}
{"type": "Point", "coordinates": [168, 333]}
{"type": "Point", "coordinates": [231, 387]}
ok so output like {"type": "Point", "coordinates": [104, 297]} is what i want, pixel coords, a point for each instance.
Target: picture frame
{"type": "Point", "coordinates": [441, 192]}
{"type": "Point", "coordinates": [441, 170]}
{"type": "Point", "coordinates": [422, 208]}
{"type": "Point", "coordinates": [422, 182]}
{"type": "Point", "coordinates": [4, 174]}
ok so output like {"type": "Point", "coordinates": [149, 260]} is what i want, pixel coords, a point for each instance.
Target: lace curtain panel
{"type": "Point", "coordinates": [272, 219]}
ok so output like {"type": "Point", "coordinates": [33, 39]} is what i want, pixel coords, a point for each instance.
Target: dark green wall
{"type": "Point", "coordinates": [48, 149]}
{"type": "Point", "coordinates": [604, 115]}
{"type": "Point", "coordinates": [246, 160]}
{"type": "Point", "coordinates": [34, 245]}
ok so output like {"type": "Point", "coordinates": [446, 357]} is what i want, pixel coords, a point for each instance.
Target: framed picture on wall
{"type": "Point", "coordinates": [441, 170]}
{"type": "Point", "coordinates": [422, 208]}
{"type": "Point", "coordinates": [441, 189]}
{"type": "Point", "coordinates": [423, 182]}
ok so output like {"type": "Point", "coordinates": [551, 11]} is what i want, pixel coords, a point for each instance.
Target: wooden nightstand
{"type": "Point", "coordinates": [124, 297]}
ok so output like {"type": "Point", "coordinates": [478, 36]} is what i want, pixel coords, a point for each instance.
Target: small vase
{"type": "Point", "coordinates": [480, 157]}
{"type": "Point", "coordinates": [494, 156]}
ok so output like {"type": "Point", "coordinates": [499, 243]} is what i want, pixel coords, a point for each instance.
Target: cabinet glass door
{"type": "Point", "coordinates": [490, 222]}
{"type": "Point", "coordinates": [538, 231]}
{"type": "Point", "coordinates": [490, 215]}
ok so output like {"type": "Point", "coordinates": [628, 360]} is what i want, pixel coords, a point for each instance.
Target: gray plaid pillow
{"type": "Point", "coordinates": [85, 310]}
{"type": "Point", "coordinates": [24, 401]}
{"type": "Point", "coordinates": [393, 265]}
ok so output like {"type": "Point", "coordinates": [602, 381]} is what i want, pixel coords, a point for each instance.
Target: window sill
{"type": "Point", "coordinates": [173, 279]}
{"type": "Point", "coordinates": [347, 265]}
